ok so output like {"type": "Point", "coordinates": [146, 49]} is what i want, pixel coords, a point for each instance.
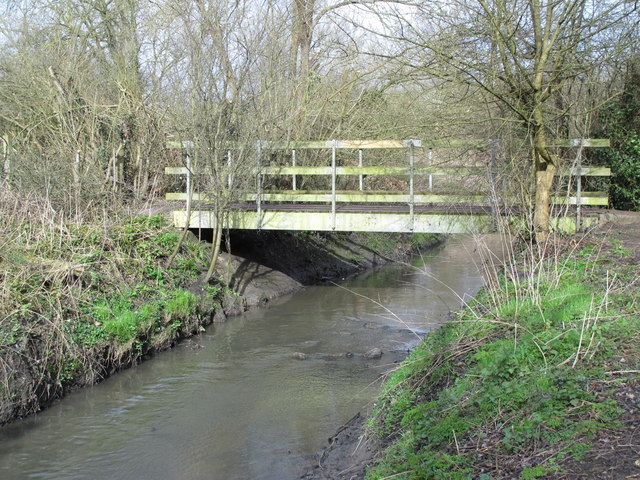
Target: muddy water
{"type": "Point", "coordinates": [233, 403]}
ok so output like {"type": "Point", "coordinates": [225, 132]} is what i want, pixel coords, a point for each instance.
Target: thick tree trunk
{"type": "Point", "coordinates": [544, 186]}
{"type": "Point", "coordinates": [545, 164]}
{"type": "Point", "coordinates": [302, 37]}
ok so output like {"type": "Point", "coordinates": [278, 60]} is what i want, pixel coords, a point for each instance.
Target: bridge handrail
{"type": "Point", "coordinates": [408, 196]}
{"type": "Point", "coordinates": [398, 171]}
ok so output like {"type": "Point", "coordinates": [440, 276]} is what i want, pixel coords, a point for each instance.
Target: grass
{"type": "Point", "coordinates": [519, 382]}
{"type": "Point", "coordinates": [86, 295]}
{"type": "Point", "coordinates": [125, 321]}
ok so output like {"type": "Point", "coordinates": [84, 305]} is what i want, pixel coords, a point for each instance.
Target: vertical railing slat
{"type": "Point", "coordinates": [579, 188]}
{"type": "Point", "coordinates": [333, 185]}
{"type": "Point", "coordinates": [411, 180]}
{"type": "Point", "coordinates": [360, 178]}
{"type": "Point", "coordinates": [259, 188]}
{"type": "Point", "coordinates": [293, 164]}
{"type": "Point", "coordinates": [430, 164]}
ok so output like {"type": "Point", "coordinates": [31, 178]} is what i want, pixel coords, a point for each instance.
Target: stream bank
{"type": "Point", "coordinates": [237, 402]}
{"type": "Point", "coordinates": [538, 378]}
{"type": "Point", "coordinates": [104, 300]}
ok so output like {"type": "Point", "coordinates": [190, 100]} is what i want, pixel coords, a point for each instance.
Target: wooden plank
{"type": "Point", "coordinates": [591, 171]}
{"type": "Point", "coordinates": [339, 144]}
{"type": "Point", "coordinates": [584, 142]}
{"type": "Point", "coordinates": [349, 197]}
{"type": "Point", "coordinates": [316, 144]}
{"type": "Point", "coordinates": [588, 198]}
{"type": "Point", "coordinates": [296, 170]}
{"type": "Point", "coordinates": [349, 222]}
{"type": "Point", "coordinates": [457, 143]}
{"type": "Point", "coordinates": [176, 170]}
{"type": "Point", "coordinates": [173, 144]}
{"type": "Point", "coordinates": [381, 197]}
{"type": "Point", "coordinates": [345, 222]}
{"type": "Point", "coordinates": [378, 171]}
{"type": "Point", "coordinates": [286, 170]}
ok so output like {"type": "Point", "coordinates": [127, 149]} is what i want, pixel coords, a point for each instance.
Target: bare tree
{"type": "Point", "coordinates": [521, 54]}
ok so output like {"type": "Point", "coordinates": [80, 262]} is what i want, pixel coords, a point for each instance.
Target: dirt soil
{"type": "Point", "coordinates": [614, 454]}
{"type": "Point", "coordinates": [347, 454]}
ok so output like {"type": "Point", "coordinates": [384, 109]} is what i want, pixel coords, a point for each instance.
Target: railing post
{"type": "Point", "coordinates": [189, 149]}
{"type": "Point", "coordinates": [76, 178]}
{"type": "Point", "coordinates": [579, 188]}
{"type": "Point", "coordinates": [259, 188]}
{"type": "Point", "coordinates": [430, 164]}
{"type": "Point", "coordinates": [293, 164]}
{"type": "Point", "coordinates": [188, 164]}
{"type": "Point", "coordinates": [333, 185]}
{"type": "Point", "coordinates": [5, 156]}
{"type": "Point", "coordinates": [411, 179]}
{"type": "Point", "coordinates": [360, 166]}
{"type": "Point", "coordinates": [494, 193]}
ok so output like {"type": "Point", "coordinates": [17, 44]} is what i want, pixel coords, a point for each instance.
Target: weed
{"type": "Point", "coordinates": [181, 305]}
{"type": "Point", "coordinates": [512, 375]}
{"type": "Point", "coordinates": [618, 249]}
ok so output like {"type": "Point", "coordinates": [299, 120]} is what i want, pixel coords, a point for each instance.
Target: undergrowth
{"type": "Point", "coordinates": [83, 297]}
{"type": "Point", "coordinates": [518, 382]}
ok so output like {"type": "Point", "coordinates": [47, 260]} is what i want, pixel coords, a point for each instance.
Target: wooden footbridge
{"type": "Point", "coordinates": [369, 186]}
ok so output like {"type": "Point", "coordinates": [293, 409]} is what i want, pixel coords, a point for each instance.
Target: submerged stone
{"type": "Point", "coordinates": [373, 353]}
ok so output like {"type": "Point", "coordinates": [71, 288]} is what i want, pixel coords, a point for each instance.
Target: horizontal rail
{"type": "Point", "coordinates": [586, 198]}
{"type": "Point", "coordinates": [275, 170]}
{"type": "Point", "coordinates": [341, 171]}
{"type": "Point", "coordinates": [427, 222]}
{"type": "Point", "coordinates": [387, 144]}
{"type": "Point", "coordinates": [588, 172]}
{"type": "Point", "coordinates": [582, 142]}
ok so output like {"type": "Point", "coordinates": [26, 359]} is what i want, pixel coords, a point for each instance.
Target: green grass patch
{"type": "Point", "coordinates": [514, 380]}
{"type": "Point", "coordinates": [125, 317]}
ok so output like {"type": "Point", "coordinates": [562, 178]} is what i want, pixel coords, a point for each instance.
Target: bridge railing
{"type": "Point", "coordinates": [413, 193]}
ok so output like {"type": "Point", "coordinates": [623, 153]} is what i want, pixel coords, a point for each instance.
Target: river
{"type": "Point", "coordinates": [233, 403]}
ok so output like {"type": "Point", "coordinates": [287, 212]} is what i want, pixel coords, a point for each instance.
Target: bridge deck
{"type": "Point", "coordinates": [419, 196]}
{"type": "Point", "coordinates": [345, 218]}
{"type": "Point", "coordinates": [363, 218]}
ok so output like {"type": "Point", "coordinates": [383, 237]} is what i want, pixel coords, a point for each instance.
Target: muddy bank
{"type": "Point", "coordinates": [347, 455]}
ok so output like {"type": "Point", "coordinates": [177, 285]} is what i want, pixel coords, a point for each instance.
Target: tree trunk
{"type": "Point", "coordinates": [544, 186]}
{"type": "Point", "coordinates": [302, 37]}
{"type": "Point", "coordinates": [545, 165]}
{"type": "Point", "coordinates": [215, 248]}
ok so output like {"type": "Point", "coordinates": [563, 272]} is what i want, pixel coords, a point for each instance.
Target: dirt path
{"type": "Point", "coordinates": [625, 228]}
